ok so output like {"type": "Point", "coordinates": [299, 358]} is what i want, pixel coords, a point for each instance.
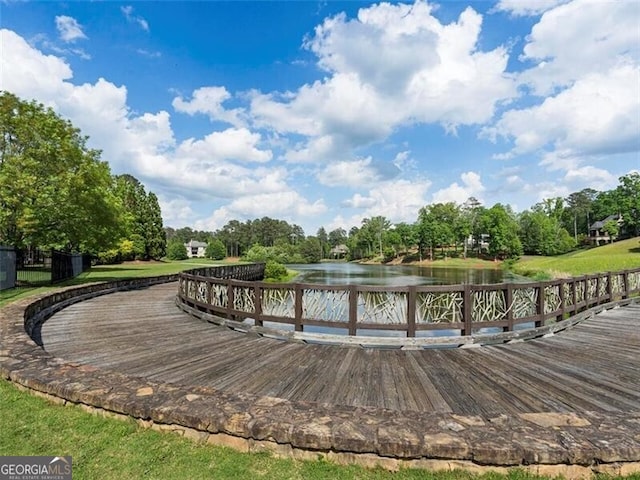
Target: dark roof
{"type": "Point", "coordinates": [600, 223]}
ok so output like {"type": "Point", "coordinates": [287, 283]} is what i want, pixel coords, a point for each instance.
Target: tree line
{"type": "Point", "coordinates": [56, 193]}
{"type": "Point", "coordinates": [551, 227]}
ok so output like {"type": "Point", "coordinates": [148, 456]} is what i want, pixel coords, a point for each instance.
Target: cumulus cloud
{"type": "Point", "coordinates": [237, 144]}
{"type": "Point", "coordinates": [127, 11]}
{"type": "Point", "coordinates": [471, 187]}
{"type": "Point", "coordinates": [599, 113]}
{"type": "Point", "coordinates": [398, 200]}
{"type": "Point", "coordinates": [393, 65]}
{"type": "Point", "coordinates": [287, 205]}
{"type": "Point", "coordinates": [523, 8]}
{"type": "Point", "coordinates": [69, 29]}
{"type": "Point", "coordinates": [594, 37]}
{"type": "Point", "coordinates": [352, 173]}
{"type": "Point", "coordinates": [208, 101]}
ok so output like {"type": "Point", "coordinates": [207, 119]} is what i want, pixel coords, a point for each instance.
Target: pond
{"type": "Point", "coordinates": [343, 273]}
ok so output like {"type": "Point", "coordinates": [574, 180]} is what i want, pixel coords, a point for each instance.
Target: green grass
{"type": "Point", "coordinates": [114, 449]}
{"type": "Point", "coordinates": [607, 258]}
{"type": "Point", "coordinates": [108, 273]}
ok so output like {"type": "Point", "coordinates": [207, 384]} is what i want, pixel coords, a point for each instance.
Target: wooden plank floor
{"type": "Point", "coordinates": [594, 366]}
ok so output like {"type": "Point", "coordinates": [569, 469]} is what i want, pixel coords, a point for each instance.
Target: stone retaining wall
{"type": "Point", "coordinates": [571, 444]}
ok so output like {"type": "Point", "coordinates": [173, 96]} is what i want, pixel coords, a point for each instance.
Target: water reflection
{"type": "Point", "coordinates": [395, 275]}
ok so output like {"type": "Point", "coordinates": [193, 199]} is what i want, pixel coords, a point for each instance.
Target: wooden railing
{"type": "Point", "coordinates": [409, 309]}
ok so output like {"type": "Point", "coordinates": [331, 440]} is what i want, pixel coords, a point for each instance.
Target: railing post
{"type": "Point", "coordinates": [230, 299]}
{"type": "Point", "coordinates": [257, 305]}
{"type": "Point", "coordinates": [467, 310]}
{"type": "Point", "coordinates": [625, 284]}
{"type": "Point", "coordinates": [298, 292]}
{"type": "Point", "coordinates": [353, 309]}
{"type": "Point", "coordinates": [541, 302]}
{"type": "Point", "coordinates": [562, 301]}
{"type": "Point", "coordinates": [609, 287]}
{"type": "Point", "coordinates": [411, 311]}
{"type": "Point", "coordinates": [509, 305]}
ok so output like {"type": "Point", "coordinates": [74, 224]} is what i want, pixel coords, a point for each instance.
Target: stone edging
{"type": "Point", "coordinates": [572, 444]}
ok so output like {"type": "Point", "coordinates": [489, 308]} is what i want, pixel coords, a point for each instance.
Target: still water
{"type": "Point", "coordinates": [343, 273]}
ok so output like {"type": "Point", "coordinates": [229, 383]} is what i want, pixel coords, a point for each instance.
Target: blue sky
{"type": "Point", "coordinates": [323, 113]}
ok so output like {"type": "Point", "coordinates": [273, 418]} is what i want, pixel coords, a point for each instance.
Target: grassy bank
{"type": "Point", "coordinates": [607, 258]}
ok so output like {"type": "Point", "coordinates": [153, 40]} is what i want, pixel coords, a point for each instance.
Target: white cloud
{"type": "Point", "coordinates": [127, 11]}
{"type": "Point", "coordinates": [208, 101]}
{"type": "Point", "coordinates": [237, 144]}
{"type": "Point", "coordinates": [397, 200]}
{"type": "Point", "coordinates": [176, 212]}
{"type": "Point", "coordinates": [471, 187]}
{"type": "Point", "coordinates": [355, 173]}
{"type": "Point", "coordinates": [69, 29]}
{"type": "Point", "coordinates": [391, 66]}
{"type": "Point", "coordinates": [287, 205]}
{"type": "Point", "coordinates": [523, 8]}
{"type": "Point", "coordinates": [596, 178]}
{"type": "Point", "coordinates": [599, 113]}
{"type": "Point", "coordinates": [359, 201]}
{"type": "Point", "coordinates": [580, 38]}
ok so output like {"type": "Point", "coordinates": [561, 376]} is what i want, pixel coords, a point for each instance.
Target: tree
{"type": "Point", "coordinates": [500, 224]}
{"type": "Point", "coordinates": [323, 238]}
{"type": "Point", "coordinates": [628, 196]}
{"type": "Point", "coordinates": [216, 250]}
{"type": "Point", "coordinates": [54, 191]}
{"type": "Point", "coordinates": [311, 250]}
{"type": "Point", "coordinates": [612, 229]}
{"type": "Point", "coordinates": [580, 206]}
{"type": "Point", "coordinates": [337, 237]}
{"type": "Point", "coordinates": [142, 218]}
{"type": "Point", "coordinates": [541, 234]}
{"type": "Point", "coordinates": [176, 250]}
{"type": "Point", "coordinates": [407, 235]}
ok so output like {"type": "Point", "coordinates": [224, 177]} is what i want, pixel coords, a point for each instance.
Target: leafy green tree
{"type": "Point", "coordinates": [176, 250]}
{"type": "Point", "coordinates": [216, 250]}
{"type": "Point", "coordinates": [142, 219]}
{"type": "Point", "coordinates": [337, 237]}
{"type": "Point", "coordinates": [612, 229]}
{"type": "Point", "coordinates": [407, 235]}
{"type": "Point", "coordinates": [541, 234]}
{"type": "Point", "coordinates": [628, 196]}
{"type": "Point", "coordinates": [500, 224]}
{"type": "Point", "coordinates": [323, 238]}
{"type": "Point", "coordinates": [54, 191]}
{"type": "Point", "coordinates": [580, 207]}
{"type": "Point", "coordinates": [311, 250]}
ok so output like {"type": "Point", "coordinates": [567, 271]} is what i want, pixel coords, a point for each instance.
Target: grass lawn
{"type": "Point", "coordinates": [607, 258]}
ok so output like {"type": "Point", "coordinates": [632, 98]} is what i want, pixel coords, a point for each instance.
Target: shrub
{"type": "Point", "coordinates": [176, 250]}
{"type": "Point", "coordinates": [275, 271]}
{"type": "Point", "coordinates": [216, 250]}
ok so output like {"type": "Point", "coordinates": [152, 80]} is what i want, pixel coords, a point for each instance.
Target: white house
{"type": "Point", "coordinates": [195, 249]}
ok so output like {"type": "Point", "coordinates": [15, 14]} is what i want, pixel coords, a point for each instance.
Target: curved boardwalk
{"type": "Point", "coordinates": [594, 366]}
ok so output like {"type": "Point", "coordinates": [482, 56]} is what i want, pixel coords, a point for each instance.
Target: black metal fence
{"type": "Point", "coordinates": [33, 267]}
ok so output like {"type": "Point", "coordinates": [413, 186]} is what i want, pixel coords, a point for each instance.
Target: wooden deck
{"type": "Point", "coordinates": [592, 367]}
